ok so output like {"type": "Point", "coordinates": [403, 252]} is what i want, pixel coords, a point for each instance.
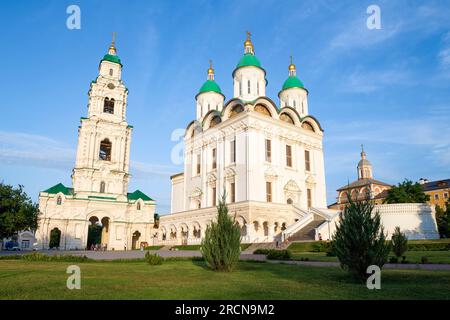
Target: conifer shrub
{"type": "Point", "coordinates": [399, 242]}
{"type": "Point", "coordinates": [221, 246]}
{"type": "Point", "coordinates": [153, 259]}
{"type": "Point", "coordinates": [359, 240]}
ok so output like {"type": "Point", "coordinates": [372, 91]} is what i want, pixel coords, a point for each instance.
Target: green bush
{"type": "Point", "coordinates": [428, 246]}
{"type": "Point", "coordinates": [399, 242]}
{"type": "Point", "coordinates": [221, 246]}
{"type": "Point", "coordinates": [359, 240]}
{"type": "Point", "coordinates": [279, 255]}
{"type": "Point", "coordinates": [153, 259]}
{"type": "Point", "coordinates": [393, 260]}
{"type": "Point", "coordinates": [261, 251]}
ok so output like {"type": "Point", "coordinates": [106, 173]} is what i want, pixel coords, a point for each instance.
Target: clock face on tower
{"type": "Point", "coordinates": [111, 86]}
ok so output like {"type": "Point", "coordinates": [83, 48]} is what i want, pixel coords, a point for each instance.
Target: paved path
{"type": "Point", "coordinates": [135, 254]}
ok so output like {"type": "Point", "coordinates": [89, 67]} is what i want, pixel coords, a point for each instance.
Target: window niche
{"type": "Point", "coordinates": [105, 150]}
{"type": "Point", "coordinates": [108, 105]}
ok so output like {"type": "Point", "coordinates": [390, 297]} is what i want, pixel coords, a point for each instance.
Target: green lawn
{"type": "Point", "coordinates": [192, 280]}
{"type": "Point", "coordinates": [197, 247]}
{"type": "Point", "coordinates": [411, 256]}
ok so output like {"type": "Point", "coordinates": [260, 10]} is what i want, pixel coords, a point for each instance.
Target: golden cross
{"type": "Point", "coordinates": [210, 63]}
{"type": "Point", "coordinates": [291, 59]}
{"type": "Point", "coordinates": [114, 37]}
{"type": "Point", "coordinates": [248, 35]}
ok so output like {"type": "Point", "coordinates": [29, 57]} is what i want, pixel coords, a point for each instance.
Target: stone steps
{"type": "Point", "coordinates": [307, 232]}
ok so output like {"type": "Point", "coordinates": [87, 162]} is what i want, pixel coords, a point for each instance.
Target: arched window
{"type": "Point", "coordinates": [248, 86]}
{"type": "Point", "coordinates": [102, 187]}
{"type": "Point", "coordinates": [105, 150]}
{"type": "Point", "coordinates": [257, 88]}
{"type": "Point", "coordinates": [59, 200]}
{"type": "Point", "coordinates": [294, 104]}
{"type": "Point", "coordinates": [262, 109]}
{"type": "Point", "coordinates": [240, 88]}
{"type": "Point", "coordinates": [286, 118]}
{"type": "Point", "coordinates": [236, 109]}
{"type": "Point", "coordinates": [307, 126]}
{"type": "Point", "coordinates": [214, 121]}
{"type": "Point", "coordinates": [138, 206]}
{"type": "Point", "coordinates": [111, 72]}
{"type": "Point", "coordinates": [108, 106]}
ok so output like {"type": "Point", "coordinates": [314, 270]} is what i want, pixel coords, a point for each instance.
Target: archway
{"type": "Point", "coordinates": [98, 233]}
{"type": "Point", "coordinates": [266, 228]}
{"type": "Point", "coordinates": [94, 233]}
{"type": "Point", "coordinates": [55, 238]}
{"type": "Point", "coordinates": [135, 240]}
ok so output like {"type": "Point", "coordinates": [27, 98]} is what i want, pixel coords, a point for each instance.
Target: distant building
{"type": "Point", "coordinates": [438, 191]}
{"type": "Point", "coordinates": [365, 186]}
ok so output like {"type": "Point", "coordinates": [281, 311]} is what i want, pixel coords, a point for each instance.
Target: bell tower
{"type": "Point", "coordinates": [104, 137]}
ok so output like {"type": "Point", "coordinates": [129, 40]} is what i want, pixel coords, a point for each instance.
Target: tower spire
{"type": "Point", "coordinates": [363, 153]}
{"type": "Point", "coordinates": [210, 71]}
{"type": "Point", "coordinates": [248, 45]}
{"type": "Point", "coordinates": [292, 69]}
{"type": "Point", "coordinates": [112, 48]}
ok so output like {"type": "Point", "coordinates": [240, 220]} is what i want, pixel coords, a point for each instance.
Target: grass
{"type": "Point", "coordinates": [152, 248]}
{"type": "Point", "coordinates": [411, 256]}
{"type": "Point", "coordinates": [192, 280]}
{"type": "Point", "coordinates": [197, 247]}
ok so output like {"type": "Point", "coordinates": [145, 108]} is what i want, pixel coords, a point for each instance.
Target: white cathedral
{"type": "Point", "coordinates": [266, 158]}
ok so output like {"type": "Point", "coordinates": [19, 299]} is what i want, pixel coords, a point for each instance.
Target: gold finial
{"type": "Point", "coordinates": [210, 70]}
{"type": "Point", "coordinates": [112, 48]}
{"type": "Point", "coordinates": [363, 153]}
{"type": "Point", "coordinates": [292, 65]}
{"type": "Point", "coordinates": [248, 43]}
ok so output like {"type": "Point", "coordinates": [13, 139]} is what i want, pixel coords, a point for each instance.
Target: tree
{"type": "Point", "coordinates": [17, 211]}
{"type": "Point", "coordinates": [359, 240]}
{"type": "Point", "coordinates": [221, 246]}
{"type": "Point", "coordinates": [399, 242]}
{"type": "Point", "coordinates": [443, 220]}
{"type": "Point", "coordinates": [406, 192]}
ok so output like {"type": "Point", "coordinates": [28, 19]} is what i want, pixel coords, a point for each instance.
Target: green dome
{"type": "Point", "coordinates": [210, 85]}
{"type": "Point", "coordinates": [249, 60]}
{"type": "Point", "coordinates": [292, 82]}
{"type": "Point", "coordinates": [111, 58]}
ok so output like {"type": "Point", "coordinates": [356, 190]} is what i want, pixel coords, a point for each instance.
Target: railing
{"type": "Point", "coordinates": [293, 228]}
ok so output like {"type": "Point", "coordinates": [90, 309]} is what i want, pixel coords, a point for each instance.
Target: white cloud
{"type": "Point", "coordinates": [34, 150]}
{"type": "Point", "coordinates": [370, 81]}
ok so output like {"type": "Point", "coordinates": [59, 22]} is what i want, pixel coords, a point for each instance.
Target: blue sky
{"type": "Point", "coordinates": [388, 89]}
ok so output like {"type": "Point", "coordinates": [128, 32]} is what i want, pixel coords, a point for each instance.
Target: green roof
{"type": "Point", "coordinates": [100, 197]}
{"type": "Point", "coordinates": [210, 85]}
{"type": "Point", "coordinates": [59, 188]}
{"type": "Point", "coordinates": [292, 82]}
{"type": "Point", "coordinates": [111, 58]}
{"type": "Point", "coordinates": [249, 60]}
{"type": "Point", "coordinates": [138, 195]}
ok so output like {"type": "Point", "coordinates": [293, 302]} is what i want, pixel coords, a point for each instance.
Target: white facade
{"type": "Point", "coordinates": [100, 177]}
{"type": "Point", "coordinates": [263, 156]}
